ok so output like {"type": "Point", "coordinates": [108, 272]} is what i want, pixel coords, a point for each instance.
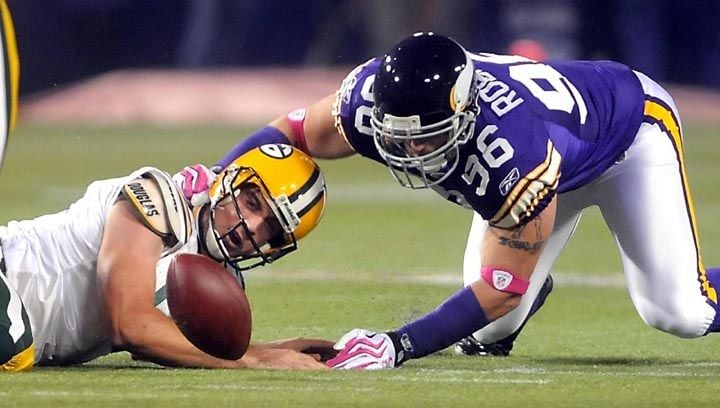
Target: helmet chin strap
{"type": "Point", "coordinates": [212, 245]}
{"type": "Point", "coordinates": [206, 235]}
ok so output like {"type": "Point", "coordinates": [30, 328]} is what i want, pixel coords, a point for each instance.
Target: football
{"type": "Point", "coordinates": [209, 306]}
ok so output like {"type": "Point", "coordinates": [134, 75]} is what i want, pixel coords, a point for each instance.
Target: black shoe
{"type": "Point", "coordinates": [470, 346]}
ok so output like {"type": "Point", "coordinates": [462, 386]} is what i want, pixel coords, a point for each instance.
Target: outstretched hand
{"type": "Point", "coordinates": [319, 349]}
{"type": "Point", "coordinates": [365, 350]}
{"type": "Point", "coordinates": [280, 358]}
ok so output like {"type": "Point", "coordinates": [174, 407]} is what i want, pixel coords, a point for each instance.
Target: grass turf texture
{"type": "Point", "coordinates": [381, 256]}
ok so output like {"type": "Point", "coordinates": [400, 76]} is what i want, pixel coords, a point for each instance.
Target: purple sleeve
{"type": "Point", "coordinates": [265, 135]}
{"type": "Point", "coordinates": [354, 107]}
{"type": "Point", "coordinates": [459, 316]}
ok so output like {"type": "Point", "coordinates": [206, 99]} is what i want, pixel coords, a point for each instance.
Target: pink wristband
{"type": "Point", "coordinates": [504, 281]}
{"type": "Point", "coordinates": [296, 120]}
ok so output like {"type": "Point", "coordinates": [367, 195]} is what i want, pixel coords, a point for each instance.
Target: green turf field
{"type": "Point", "coordinates": [381, 256]}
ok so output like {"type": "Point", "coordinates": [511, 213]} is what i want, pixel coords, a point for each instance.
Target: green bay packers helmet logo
{"type": "Point", "coordinates": [277, 151]}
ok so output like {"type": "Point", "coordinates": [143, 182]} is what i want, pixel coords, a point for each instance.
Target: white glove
{"type": "Point", "coordinates": [194, 182]}
{"type": "Point", "coordinates": [365, 350]}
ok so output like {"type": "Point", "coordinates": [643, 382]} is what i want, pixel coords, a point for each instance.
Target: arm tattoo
{"type": "Point", "coordinates": [514, 241]}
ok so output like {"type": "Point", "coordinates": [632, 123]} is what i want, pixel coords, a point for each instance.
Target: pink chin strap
{"type": "Point", "coordinates": [296, 120]}
{"type": "Point", "coordinates": [504, 281]}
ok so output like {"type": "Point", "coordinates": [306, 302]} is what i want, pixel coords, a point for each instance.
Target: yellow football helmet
{"type": "Point", "coordinates": [292, 184]}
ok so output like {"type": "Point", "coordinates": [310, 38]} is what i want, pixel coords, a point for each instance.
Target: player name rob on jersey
{"type": "Point", "coordinates": [496, 93]}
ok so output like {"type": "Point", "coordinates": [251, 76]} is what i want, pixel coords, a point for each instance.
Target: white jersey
{"type": "Point", "coordinates": [51, 262]}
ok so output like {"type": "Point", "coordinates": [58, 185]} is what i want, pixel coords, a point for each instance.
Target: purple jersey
{"type": "Point", "coordinates": [543, 128]}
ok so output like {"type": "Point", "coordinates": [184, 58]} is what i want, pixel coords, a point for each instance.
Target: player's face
{"type": "Point", "coordinates": [425, 145]}
{"type": "Point", "coordinates": [244, 219]}
{"type": "Point", "coordinates": [414, 147]}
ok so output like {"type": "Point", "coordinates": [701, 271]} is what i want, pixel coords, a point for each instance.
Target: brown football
{"type": "Point", "coordinates": [209, 306]}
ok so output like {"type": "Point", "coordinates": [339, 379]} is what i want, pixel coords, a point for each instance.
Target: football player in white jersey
{"type": "Point", "coordinates": [88, 280]}
{"type": "Point", "coordinates": [527, 146]}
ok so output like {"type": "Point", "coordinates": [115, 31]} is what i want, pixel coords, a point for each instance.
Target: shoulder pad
{"type": "Point", "coordinates": [160, 205]}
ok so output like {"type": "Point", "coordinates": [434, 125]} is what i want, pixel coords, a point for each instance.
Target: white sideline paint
{"type": "Point", "coordinates": [559, 279]}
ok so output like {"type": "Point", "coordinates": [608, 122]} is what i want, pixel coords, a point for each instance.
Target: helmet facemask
{"type": "Point", "coordinates": [234, 181]}
{"type": "Point", "coordinates": [393, 135]}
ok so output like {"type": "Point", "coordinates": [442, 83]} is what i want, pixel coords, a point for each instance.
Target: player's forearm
{"type": "Point", "coordinates": [280, 358]}
{"type": "Point", "coordinates": [311, 130]}
{"type": "Point", "coordinates": [154, 337]}
{"type": "Point", "coordinates": [265, 135]}
{"type": "Point", "coordinates": [263, 357]}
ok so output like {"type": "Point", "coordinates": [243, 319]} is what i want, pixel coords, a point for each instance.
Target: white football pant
{"type": "Point", "coordinates": [645, 201]}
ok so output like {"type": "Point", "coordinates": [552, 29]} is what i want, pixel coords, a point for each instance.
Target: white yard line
{"type": "Point", "coordinates": [616, 280]}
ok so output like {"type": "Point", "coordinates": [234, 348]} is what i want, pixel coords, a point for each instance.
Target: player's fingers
{"type": "Point", "coordinates": [200, 180]}
{"type": "Point", "coordinates": [325, 353]}
{"type": "Point", "coordinates": [321, 346]}
{"type": "Point", "coordinates": [190, 172]}
{"type": "Point", "coordinates": [314, 356]}
{"type": "Point", "coordinates": [188, 183]}
{"type": "Point", "coordinates": [304, 362]}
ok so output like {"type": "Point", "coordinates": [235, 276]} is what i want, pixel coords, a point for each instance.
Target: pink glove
{"type": "Point", "coordinates": [194, 182]}
{"type": "Point", "coordinates": [365, 350]}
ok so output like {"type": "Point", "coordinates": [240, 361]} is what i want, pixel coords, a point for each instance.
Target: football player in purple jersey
{"type": "Point", "coordinates": [527, 146]}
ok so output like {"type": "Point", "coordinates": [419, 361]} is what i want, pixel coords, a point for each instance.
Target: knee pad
{"type": "Point", "coordinates": [682, 322]}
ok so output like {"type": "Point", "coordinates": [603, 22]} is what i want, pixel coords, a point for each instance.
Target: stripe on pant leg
{"type": "Point", "coordinates": [660, 113]}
